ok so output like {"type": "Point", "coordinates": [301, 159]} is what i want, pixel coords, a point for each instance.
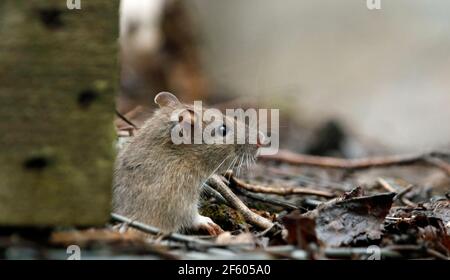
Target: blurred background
{"type": "Point", "coordinates": [381, 75]}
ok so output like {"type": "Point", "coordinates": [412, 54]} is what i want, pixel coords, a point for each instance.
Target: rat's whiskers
{"type": "Point", "coordinates": [231, 166]}
{"type": "Point", "coordinates": [217, 168]}
{"type": "Point", "coordinates": [241, 162]}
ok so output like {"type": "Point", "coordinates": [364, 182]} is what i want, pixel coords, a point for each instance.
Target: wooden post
{"type": "Point", "coordinates": [58, 76]}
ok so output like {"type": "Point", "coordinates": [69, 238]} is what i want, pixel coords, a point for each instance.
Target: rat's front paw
{"type": "Point", "coordinates": [206, 224]}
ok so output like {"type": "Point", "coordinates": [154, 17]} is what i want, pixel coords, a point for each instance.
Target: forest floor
{"type": "Point", "coordinates": [316, 208]}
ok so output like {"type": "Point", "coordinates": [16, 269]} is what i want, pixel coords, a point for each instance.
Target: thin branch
{"type": "Point", "coordinates": [363, 163]}
{"type": "Point", "coordinates": [341, 253]}
{"type": "Point", "coordinates": [305, 179]}
{"type": "Point", "coordinates": [418, 249]}
{"type": "Point", "coordinates": [215, 194]}
{"type": "Point", "coordinates": [395, 251]}
{"type": "Point", "coordinates": [443, 165]}
{"type": "Point", "coordinates": [400, 195]}
{"type": "Point", "coordinates": [269, 200]}
{"type": "Point", "coordinates": [155, 231]}
{"type": "Point", "coordinates": [404, 200]}
{"type": "Point", "coordinates": [396, 219]}
{"type": "Point", "coordinates": [262, 198]}
{"type": "Point", "coordinates": [125, 119]}
{"type": "Point", "coordinates": [437, 255]}
{"type": "Point", "coordinates": [386, 185]}
{"type": "Point", "coordinates": [217, 183]}
{"type": "Point", "coordinates": [313, 203]}
{"type": "Point", "coordinates": [278, 190]}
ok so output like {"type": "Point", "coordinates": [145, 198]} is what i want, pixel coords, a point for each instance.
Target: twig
{"type": "Point", "coordinates": [386, 185]}
{"type": "Point", "coordinates": [394, 251]}
{"type": "Point", "coordinates": [261, 198]}
{"type": "Point", "coordinates": [268, 200]}
{"type": "Point", "coordinates": [443, 165]}
{"type": "Point", "coordinates": [217, 183]}
{"type": "Point", "coordinates": [400, 196]}
{"type": "Point", "coordinates": [125, 119]}
{"type": "Point", "coordinates": [155, 231]}
{"type": "Point", "coordinates": [436, 254]}
{"type": "Point", "coordinates": [398, 218]}
{"type": "Point", "coordinates": [363, 163]}
{"type": "Point", "coordinates": [213, 193]}
{"type": "Point", "coordinates": [278, 190]}
{"type": "Point", "coordinates": [308, 202]}
{"type": "Point", "coordinates": [418, 248]}
{"type": "Point", "coordinates": [305, 179]}
{"type": "Point", "coordinates": [338, 253]}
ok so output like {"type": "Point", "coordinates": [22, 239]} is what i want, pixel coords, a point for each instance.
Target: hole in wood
{"type": "Point", "coordinates": [51, 17]}
{"type": "Point", "coordinates": [86, 98]}
{"type": "Point", "coordinates": [37, 163]}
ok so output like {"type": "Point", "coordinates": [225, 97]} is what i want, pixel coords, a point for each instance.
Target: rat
{"type": "Point", "coordinates": [159, 183]}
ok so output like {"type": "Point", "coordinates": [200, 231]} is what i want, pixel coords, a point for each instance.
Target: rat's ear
{"type": "Point", "coordinates": [166, 99]}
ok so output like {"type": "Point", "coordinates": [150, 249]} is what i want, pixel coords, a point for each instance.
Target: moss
{"type": "Point", "coordinates": [226, 217]}
{"type": "Point", "coordinates": [58, 78]}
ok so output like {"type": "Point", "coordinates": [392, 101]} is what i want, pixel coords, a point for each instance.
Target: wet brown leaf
{"type": "Point", "coordinates": [441, 210]}
{"type": "Point", "coordinates": [351, 219]}
{"type": "Point", "coordinates": [301, 229]}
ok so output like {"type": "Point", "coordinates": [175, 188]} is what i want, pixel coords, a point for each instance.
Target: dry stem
{"type": "Point", "coordinates": [363, 163]}
{"type": "Point", "coordinates": [278, 190]}
{"type": "Point", "coordinates": [218, 184]}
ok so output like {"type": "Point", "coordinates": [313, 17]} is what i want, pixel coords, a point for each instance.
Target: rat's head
{"type": "Point", "coordinates": [205, 137]}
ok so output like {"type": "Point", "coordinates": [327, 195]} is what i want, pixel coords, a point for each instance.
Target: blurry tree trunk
{"type": "Point", "coordinates": [58, 75]}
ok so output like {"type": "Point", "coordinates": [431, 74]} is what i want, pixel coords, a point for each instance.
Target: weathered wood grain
{"type": "Point", "coordinates": [58, 76]}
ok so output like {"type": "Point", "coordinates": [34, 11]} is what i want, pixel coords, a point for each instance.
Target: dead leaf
{"type": "Point", "coordinates": [351, 219]}
{"type": "Point", "coordinates": [301, 229]}
{"type": "Point", "coordinates": [441, 210]}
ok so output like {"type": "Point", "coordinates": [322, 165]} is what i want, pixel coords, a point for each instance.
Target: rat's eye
{"type": "Point", "coordinates": [222, 130]}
